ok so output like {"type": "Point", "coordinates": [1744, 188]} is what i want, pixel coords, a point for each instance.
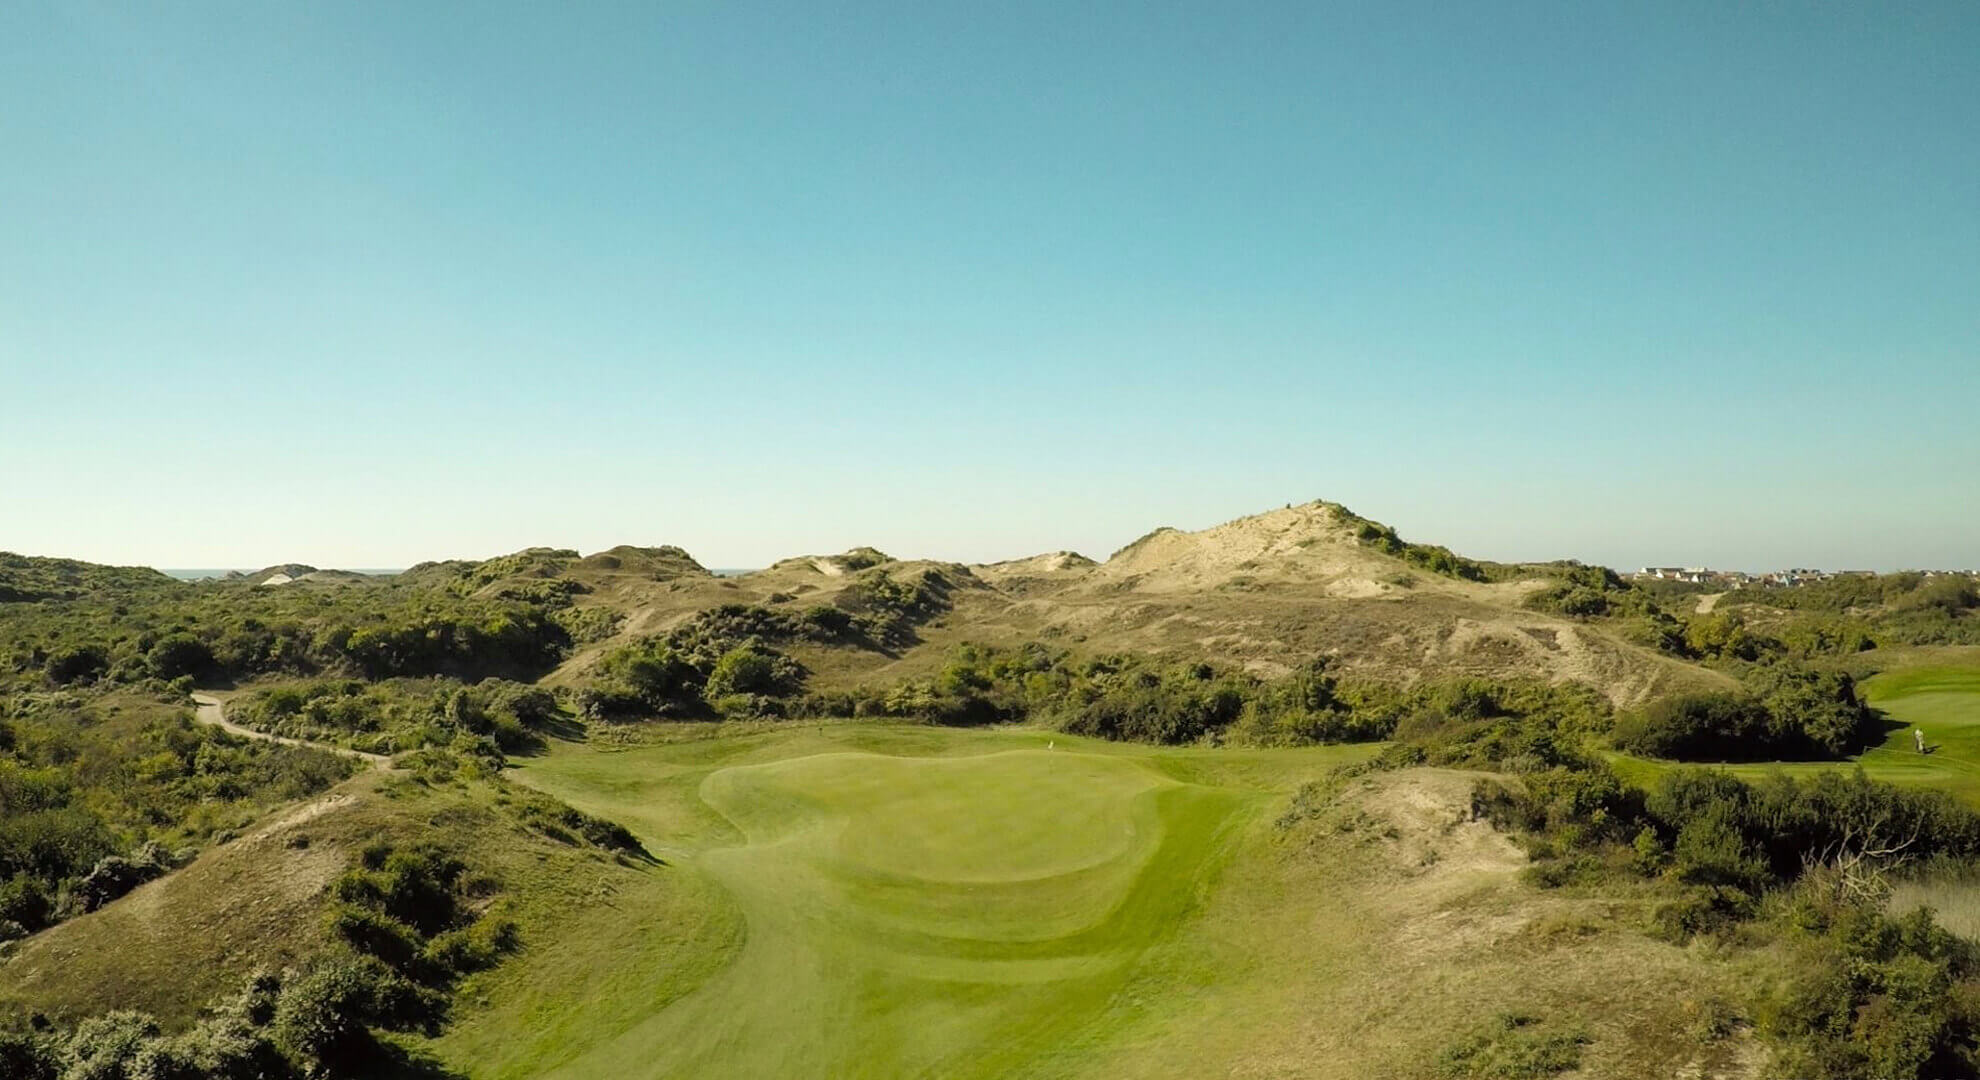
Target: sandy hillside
{"type": "Point", "coordinates": [1267, 592]}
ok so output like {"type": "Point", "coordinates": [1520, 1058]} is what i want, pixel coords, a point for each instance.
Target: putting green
{"type": "Point", "coordinates": [1944, 703]}
{"type": "Point", "coordinates": [913, 902]}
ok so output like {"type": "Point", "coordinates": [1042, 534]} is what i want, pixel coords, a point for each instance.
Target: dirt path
{"type": "Point", "coordinates": [1707, 602]}
{"type": "Point", "coordinates": [211, 710]}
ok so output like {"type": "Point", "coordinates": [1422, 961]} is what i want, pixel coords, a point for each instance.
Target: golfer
{"type": "Point", "coordinates": [1918, 736]}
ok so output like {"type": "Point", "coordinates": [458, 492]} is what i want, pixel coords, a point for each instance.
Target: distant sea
{"type": "Point", "coordinates": [195, 575]}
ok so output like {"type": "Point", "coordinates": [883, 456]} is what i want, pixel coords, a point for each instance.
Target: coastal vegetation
{"type": "Point", "coordinates": [1006, 798]}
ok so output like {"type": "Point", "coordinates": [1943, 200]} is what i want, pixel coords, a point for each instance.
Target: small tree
{"type": "Point", "coordinates": [179, 654]}
{"type": "Point", "coordinates": [743, 670]}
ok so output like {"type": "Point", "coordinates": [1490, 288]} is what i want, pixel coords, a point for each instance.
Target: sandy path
{"type": "Point", "coordinates": [210, 710]}
{"type": "Point", "coordinates": [1707, 602]}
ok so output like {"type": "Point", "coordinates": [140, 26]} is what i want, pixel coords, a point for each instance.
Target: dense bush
{"type": "Point", "coordinates": [719, 661]}
{"type": "Point", "coordinates": [1799, 714]}
{"type": "Point", "coordinates": [1520, 725]}
{"type": "Point", "coordinates": [29, 1055]}
{"type": "Point", "coordinates": [115, 875]}
{"type": "Point", "coordinates": [406, 914]}
{"type": "Point", "coordinates": [490, 717]}
{"type": "Point", "coordinates": [1703, 727]}
{"type": "Point", "coordinates": [179, 654]}
{"type": "Point", "coordinates": [1177, 705]}
{"type": "Point", "coordinates": [1146, 699]}
{"type": "Point", "coordinates": [1730, 839]}
{"type": "Point", "coordinates": [1869, 995]}
{"type": "Point", "coordinates": [76, 663]}
{"type": "Point", "coordinates": [887, 608]}
{"type": "Point", "coordinates": [1597, 591]}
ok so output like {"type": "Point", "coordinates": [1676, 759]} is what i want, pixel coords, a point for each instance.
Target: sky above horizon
{"type": "Point", "coordinates": [368, 284]}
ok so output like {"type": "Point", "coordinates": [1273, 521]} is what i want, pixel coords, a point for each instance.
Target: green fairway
{"type": "Point", "coordinates": [1944, 703]}
{"type": "Point", "coordinates": [908, 901]}
{"type": "Point", "coordinates": [1942, 700]}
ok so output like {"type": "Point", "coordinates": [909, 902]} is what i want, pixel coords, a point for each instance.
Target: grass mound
{"type": "Point", "coordinates": [926, 915]}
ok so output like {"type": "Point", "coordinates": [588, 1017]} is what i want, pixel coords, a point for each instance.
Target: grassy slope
{"type": "Point", "coordinates": [175, 944]}
{"type": "Point", "coordinates": [928, 902]}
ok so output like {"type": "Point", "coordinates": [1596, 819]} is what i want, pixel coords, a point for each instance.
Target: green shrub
{"type": "Point", "coordinates": [217, 1048]}
{"type": "Point", "coordinates": [373, 932]}
{"type": "Point", "coordinates": [321, 1014]}
{"type": "Point", "coordinates": [1700, 727]}
{"type": "Point", "coordinates": [745, 669]}
{"type": "Point", "coordinates": [179, 654]}
{"type": "Point", "coordinates": [107, 1047]}
{"type": "Point", "coordinates": [1802, 715]}
{"type": "Point", "coordinates": [1867, 995]}
{"type": "Point", "coordinates": [474, 947]}
{"type": "Point", "coordinates": [77, 663]}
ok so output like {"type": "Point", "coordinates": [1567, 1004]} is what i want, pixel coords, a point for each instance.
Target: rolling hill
{"type": "Point", "coordinates": [814, 894]}
{"type": "Point", "coordinates": [1266, 592]}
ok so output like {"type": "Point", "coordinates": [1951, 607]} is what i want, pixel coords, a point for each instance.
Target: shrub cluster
{"type": "Point", "coordinates": [310, 1024]}
{"type": "Point", "coordinates": [1797, 714]}
{"type": "Point", "coordinates": [887, 609]}
{"type": "Point", "coordinates": [409, 909]}
{"type": "Point", "coordinates": [1149, 700]}
{"type": "Point", "coordinates": [408, 919]}
{"type": "Point", "coordinates": [569, 825]}
{"type": "Point", "coordinates": [1726, 840]}
{"type": "Point", "coordinates": [723, 661]}
{"type": "Point", "coordinates": [1431, 557]}
{"type": "Point", "coordinates": [1870, 995]}
{"type": "Point", "coordinates": [1851, 613]}
{"type": "Point", "coordinates": [488, 718]}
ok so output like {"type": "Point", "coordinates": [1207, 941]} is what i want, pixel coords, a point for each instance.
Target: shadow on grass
{"type": "Point", "coordinates": [562, 729]}
{"type": "Point", "coordinates": [390, 1061]}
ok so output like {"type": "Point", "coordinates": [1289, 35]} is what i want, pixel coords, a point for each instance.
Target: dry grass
{"type": "Point", "coordinates": [1953, 897]}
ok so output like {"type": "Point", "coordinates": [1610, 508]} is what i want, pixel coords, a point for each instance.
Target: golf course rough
{"type": "Point", "coordinates": [962, 915]}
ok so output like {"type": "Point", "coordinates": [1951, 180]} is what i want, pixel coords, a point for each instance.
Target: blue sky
{"type": "Point", "coordinates": [364, 284]}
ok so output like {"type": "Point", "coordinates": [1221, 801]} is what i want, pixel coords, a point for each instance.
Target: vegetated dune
{"type": "Point", "coordinates": [1268, 592]}
{"type": "Point", "coordinates": [175, 945]}
{"type": "Point", "coordinates": [1049, 570]}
